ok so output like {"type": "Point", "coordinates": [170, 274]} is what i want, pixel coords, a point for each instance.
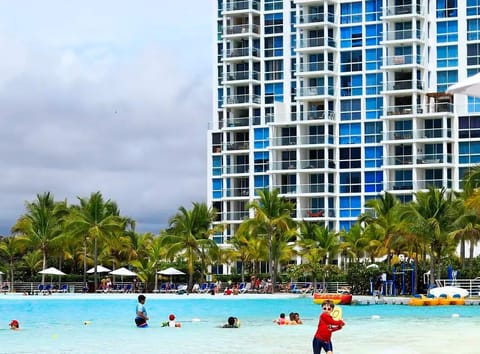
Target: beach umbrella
{"type": "Point", "coordinates": [373, 265]}
{"type": "Point", "coordinates": [51, 271]}
{"type": "Point", "coordinates": [123, 272]}
{"type": "Point", "coordinates": [467, 87]}
{"type": "Point", "coordinates": [100, 269]}
{"type": "Point", "coordinates": [171, 272]}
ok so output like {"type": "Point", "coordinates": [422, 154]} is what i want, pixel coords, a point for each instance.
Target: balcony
{"type": "Point", "coordinates": [315, 91]}
{"type": "Point", "coordinates": [317, 42]}
{"type": "Point", "coordinates": [242, 52]}
{"type": "Point", "coordinates": [402, 35]}
{"type": "Point", "coordinates": [243, 99]}
{"type": "Point", "coordinates": [403, 10]}
{"type": "Point", "coordinates": [242, 29]}
{"type": "Point", "coordinates": [242, 75]}
{"type": "Point", "coordinates": [243, 5]}
{"type": "Point", "coordinates": [401, 85]}
{"type": "Point", "coordinates": [237, 145]}
{"type": "Point", "coordinates": [400, 60]}
{"type": "Point", "coordinates": [316, 18]}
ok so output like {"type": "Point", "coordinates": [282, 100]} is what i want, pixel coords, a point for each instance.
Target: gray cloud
{"type": "Point", "coordinates": [80, 114]}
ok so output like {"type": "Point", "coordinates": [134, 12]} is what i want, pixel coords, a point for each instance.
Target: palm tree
{"type": "Point", "coordinates": [41, 224]}
{"type": "Point", "coordinates": [11, 247]}
{"type": "Point", "coordinates": [431, 217]}
{"type": "Point", "coordinates": [187, 236]}
{"type": "Point", "coordinates": [95, 220]}
{"type": "Point", "coordinates": [317, 244]}
{"type": "Point", "coordinates": [383, 215]}
{"type": "Point", "coordinates": [273, 221]}
{"type": "Point", "coordinates": [354, 242]}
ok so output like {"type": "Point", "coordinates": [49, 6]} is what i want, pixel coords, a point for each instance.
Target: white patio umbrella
{"type": "Point", "coordinates": [100, 269]}
{"type": "Point", "coordinates": [123, 272]}
{"type": "Point", "coordinates": [170, 271]}
{"type": "Point", "coordinates": [468, 87]}
{"type": "Point", "coordinates": [51, 271]}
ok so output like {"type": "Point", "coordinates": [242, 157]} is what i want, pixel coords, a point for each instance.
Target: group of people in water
{"type": "Point", "coordinates": [321, 340]}
{"type": "Point", "coordinates": [293, 319]}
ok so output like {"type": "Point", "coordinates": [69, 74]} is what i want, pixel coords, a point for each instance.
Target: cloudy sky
{"type": "Point", "coordinates": [111, 96]}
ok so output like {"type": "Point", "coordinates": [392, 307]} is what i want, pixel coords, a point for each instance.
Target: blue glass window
{"type": "Point", "coordinates": [351, 37]}
{"type": "Point", "coordinates": [473, 7]}
{"type": "Point", "coordinates": [373, 181]}
{"type": "Point", "coordinates": [445, 79]}
{"type": "Point", "coordinates": [373, 10]}
{"type": "Point", "coordinates": [373, 156]}
{"type": "Point", "coordinates": [351, 12]}
{"type": "Point", "coordinates": [373, 132]}
{"type": "Point", "coordinates": [447, 56]}
{"type": "Point", "coordinates": [350, 134]}
{"type": "Point", "coordinates": [273, 23]}
{"type": "Point", "coordinates": [469, 152]}
{"type": "Point", "coordinates": [446, 8]}
{"type": "Point", "coordinates": [373, 34]}
{"type": "Point", "coordinates": [473, 29]}
{"type": "Point", "coordinates": [373, 84]}
{"type": "Point", "coordinates": [350, 109]}
{"type": "Point", "coordinates": [447, 31]}
{"type": "Point", "coordinates": [217, 188]}
{"type": "Point", "coordinates": [261, 182]}
{"type": "Point", "coordinates": [217, 166]}
{"type": "Point", "coordinates": [274, 92]}
{"type": "Point", "coordinates": [374, 107]}
{"type": "Point", "coordinates": [261, 138]}
{"type": "Point", "coordinates": [350, 206]}
{"type": "Point", "coordinates": [373, 59]}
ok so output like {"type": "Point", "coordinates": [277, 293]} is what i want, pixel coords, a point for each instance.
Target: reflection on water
{"type": "Point", "coordinates": [56, 324]}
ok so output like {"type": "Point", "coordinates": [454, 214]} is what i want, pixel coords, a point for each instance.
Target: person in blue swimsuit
{"type": "Point", "coordinates": [141, 312]}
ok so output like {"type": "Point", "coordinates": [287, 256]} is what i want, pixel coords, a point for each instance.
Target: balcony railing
{"type": "Point", "coordinates": [242, 52]}
{"type": "Point", "coordinates": [242, 99]}
{"type": "Point", "coordinates": [236, 5]}
{"type": "Point", "coordinates": [316, 66]}
{"type": "Point", "coordinates": [402, 10]}
{"type": "Point", "coordinates": [236, 169]}
{"type": "Point", "coordinates": [403, 85]}
{"type": "Point", "coordinates": [243, 29]}
{"type": "Point", "coordinates": [317, 42]}
{"type": "Point", "coordinates": [317, 18]}
{"type": "Point", "coordinates": [237, 145]}
{"type": "Point", "coordinates": [401, 35]}
{"type": "Point", "coordinates": [315, 91]}
{"type": "Point", "coordinates": [242, 75]}
{"type": "Point", "coordinates": [403, 60]}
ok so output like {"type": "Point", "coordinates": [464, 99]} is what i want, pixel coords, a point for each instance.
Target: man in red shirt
{"type": "Point", "coordinates": [326, 325]}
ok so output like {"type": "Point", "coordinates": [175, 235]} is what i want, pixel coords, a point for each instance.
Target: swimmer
{"type": "Point", "coordinates": [171, 322]}
{"type": "Point", "coordinates": [232, 322]}
{"type": "Point", "coordinates": [281, 320]}
{"type": "Point", "coordinates": [14, 325]}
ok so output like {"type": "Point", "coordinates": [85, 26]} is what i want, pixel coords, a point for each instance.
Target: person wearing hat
{"type": "Point", "coordinates": [14, 325]}
{"type": "Point", "coordinates": [171, 322]}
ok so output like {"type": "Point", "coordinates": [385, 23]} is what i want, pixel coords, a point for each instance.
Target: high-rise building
{"type": "Point", "coordinates": [333, 102]}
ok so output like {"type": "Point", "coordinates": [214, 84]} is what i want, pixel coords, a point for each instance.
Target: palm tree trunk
{"type": "Point", "coordinates": [270, 257]}
{"type": "Point", "coordinates": [95, 263]}
{"type": "Point", "coordinates": [85, 264]}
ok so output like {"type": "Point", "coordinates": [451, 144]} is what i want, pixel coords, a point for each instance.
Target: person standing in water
{"type": "Point", "coordinates": [326, 325]}
{"type": "Point", "coordinates": [141, 312]}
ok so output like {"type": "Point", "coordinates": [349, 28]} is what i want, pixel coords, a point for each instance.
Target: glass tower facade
{"type": "Point", "coordinates": [333, 102]}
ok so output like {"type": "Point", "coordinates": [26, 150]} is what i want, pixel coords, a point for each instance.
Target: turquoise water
{"type": "Point", "coordinates": [56, 324]}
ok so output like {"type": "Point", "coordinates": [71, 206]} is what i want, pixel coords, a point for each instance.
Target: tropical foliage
{"type": "Point", "coordinates": [271, 243]}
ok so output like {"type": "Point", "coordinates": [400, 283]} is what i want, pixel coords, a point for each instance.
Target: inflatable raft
{"type": "Point", "coordinates": [338, 299]}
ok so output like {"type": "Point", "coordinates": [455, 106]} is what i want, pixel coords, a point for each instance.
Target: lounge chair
{"type": "Point", "coordinates": [163, 288]}
{"type": "Point", "coordinates": [293, 289]}
{"type": "Point", "coordinates": [307, 289]}
{"type": "Point", "coordinates": [246, 288]}
{"type": "Point", "coordinates": [203, 288]}
{"type": "Point", "coordinates": [64, 288]}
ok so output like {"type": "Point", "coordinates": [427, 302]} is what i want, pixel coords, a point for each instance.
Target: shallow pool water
{"type": "Point", "coordinates": [57, 324]}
